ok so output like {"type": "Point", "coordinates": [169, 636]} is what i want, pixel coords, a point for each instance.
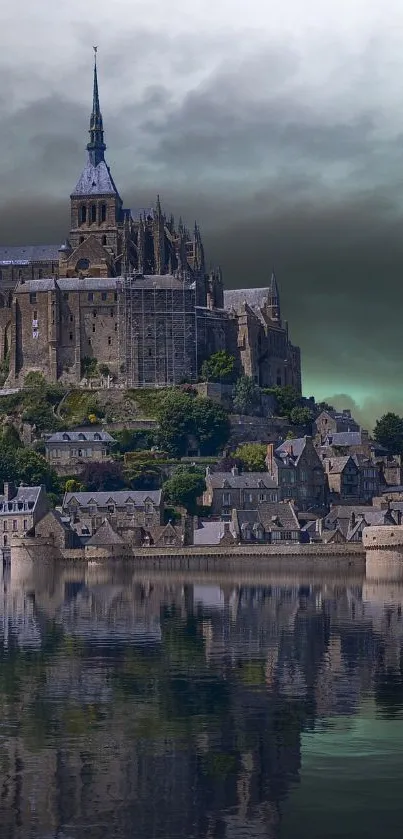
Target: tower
{"type": "Point", "coordinates": [273, 300]}
{"type": "Point", "coordinates": [97, 216]}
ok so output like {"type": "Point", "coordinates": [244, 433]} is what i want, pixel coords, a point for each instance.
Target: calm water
{"type": "Point", "coordinates": [150, 707]}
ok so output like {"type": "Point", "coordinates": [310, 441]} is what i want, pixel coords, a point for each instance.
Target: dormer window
{"type": "Point", "coordinates": [81, 436]}
{"type": "Point", "coordinates": [97, 436]}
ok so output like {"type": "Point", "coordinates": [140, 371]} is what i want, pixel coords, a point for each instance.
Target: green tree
{"type": "Point", "coordinates": [247, 396]}
{"type": "Point", "coordinates": [252, 456]}
{"type": "Point", "coordinates": [300, 415]}
{"type": "Point", "coordinates": [210, 425]}
{"type": "Point", "coordinates": [32, 469]}
{"type": "Point", "coordinates": [133, 440]}
{"type": "Point", "coordinates": [286, 398]}
{"type": "Point", "coordinates": [103, 477]}
{"type": "Point", "coordinates": [388, 432]}
{"type": "Point", "coordinates": [220, 367]}
{"type": "Point", "coordinates": [10, 437]}
{"type": "Point", "coordinates": [184, 488]}
{"type": "Point", "coordinates": [72, 485]}
{"type": "Point", "coordinates": [182, 416]}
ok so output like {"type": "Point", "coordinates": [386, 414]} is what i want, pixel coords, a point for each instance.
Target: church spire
{"type": "Point", "coordinates": [274, 297]}
{"type": "Point", "coordinates": [96, 146]}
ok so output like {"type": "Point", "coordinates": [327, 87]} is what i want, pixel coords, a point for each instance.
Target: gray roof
{"type": "Point", "coordinates": [95, 180]}
{"type": "Point", "coordinates": [293, 447]}
{"type": "Point", "coordinates": [255, 297]}
{"type": "Point", "coordinates": [276, 515]}
{"type": "Point", "coordinates": [209, 533]}
{"type": "Point", "coordinates": [344, 438]}
{"type": "Point", "coordinates": [24, 495]}
{"type": "Point", "coordinates": [105, 535]}
{"type": "Point", "coordinates": [336, 465]}
{"type": "Point", "coordinates": [245, 480]}
{"type": "Point", "coordinates": [80, 436]}
{"type": "Point", "coordinates": [25, 254]}
{"type": "Point", "coordinates": [149, 281]}
{"type": "Point", "coordinates": [120, 498]}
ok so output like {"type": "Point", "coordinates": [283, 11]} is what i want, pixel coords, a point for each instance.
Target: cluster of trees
{"type": "Point", "coordinates": [185, 418]}
{"type": "Point", "coordinates": [388, 431]}
{"type": "Point", "coordinates": [24, 466]}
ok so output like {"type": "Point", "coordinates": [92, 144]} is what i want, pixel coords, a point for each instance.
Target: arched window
{"type": "Point", "coordinates": [103, 212]}
{"type": "Point", "coordinates": [93, 213]}
{"type": "Point", "coordinates": [83, 214]}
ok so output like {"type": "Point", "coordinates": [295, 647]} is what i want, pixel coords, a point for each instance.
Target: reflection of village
{"type": "Point", "coordinates": [176, 705]}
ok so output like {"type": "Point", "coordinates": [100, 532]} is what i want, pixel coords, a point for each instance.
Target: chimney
{"type": "Point", "coordinates": [9, 491]}
{"type": "Point", "coordinates": [234, 470]}
{"type": "Point", "coordinates": [319, 527]}
{"type": "Point", "coordinates": [270, 458]}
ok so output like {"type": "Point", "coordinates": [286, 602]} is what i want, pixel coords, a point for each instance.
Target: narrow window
{"type": "Point", "coordinates": [112, 313]}
{"type": "Point", "coordinates": [104, 295]}
{"type": "Point", "coordinates": [81, 239]}
{"type": "Point", "coordinates": [93, 327]}
{"type": "Point", "coordinates": [109, 340]}
{"type": "Point", "coordinates": [90, 296]}
{"type": "Point", "coordinates": [93, 213]}
{"type": "Point", "coordinates": [83, 214]}
{"type": "Point", "coordinates": [40, 274]}
{"type": "Point", "coordinates": [103, 216]}
{"type": "Point", "coordinates": [104, 240]}
{"type": "Point", "coordinates": [71, 336]}
{"type": "Point", "coordinates": [32, 298]}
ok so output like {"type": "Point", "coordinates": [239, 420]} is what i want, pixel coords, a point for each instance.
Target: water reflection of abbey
{"type": "Point", "coordinates": [175, 706]}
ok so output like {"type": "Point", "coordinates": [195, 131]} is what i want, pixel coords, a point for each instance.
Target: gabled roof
{"type": "Point", "coordinates": [273, 515]}
{"type": "Point", "coordinates": [336, 465]}
{"type": "Point", "coordinates": [209, 533]}
{"type": "Point", "coordinates": [253, 297]}
{"type": "Point", "coordinates": [105, 535]}
{"type": "Point", "coordinates": [120, 498]}
{"type": "Point", "coordinates": [24, 495]}
{"type": "Point", "coordinates": [293, 448]}
{"type": "Point", "coordinates": [344, 438]}
{"type": "Point", "coordinates": [245, 480]}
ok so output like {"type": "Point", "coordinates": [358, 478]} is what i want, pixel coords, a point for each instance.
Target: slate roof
{"type": "Point", "coordinates": [105, 535]}
{"type": "Point", "coordinates": [254, 297]}
{"type": "Point", "coordinates": [209, 533]}
{"type": "Point", "coordinates": [273, 516]}
{"type": "Point", "coordinates": [245, 480]}
{"type": "Point", "coordinates": [80, 436]}
{"type": "Point", "coordinates": [95, 180]}
{"type": "Point", "coordinates": [293, 447]}
{"type": "Point", "coordinates": [150, 281]}
{"type": "Point", "coordinates": [25, 254]}
{"type": "Point", "coordinates": [337, 464]}
{"type": "Point", "coordinates": [344, 438]}
{"type": "Point", "coordinates": [25, 496]}
{"type": "Point", "coordinates": [120, 497]}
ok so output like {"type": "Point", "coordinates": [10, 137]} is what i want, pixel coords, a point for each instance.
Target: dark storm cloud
{"type": "Point", "coordinates": [275, 174]}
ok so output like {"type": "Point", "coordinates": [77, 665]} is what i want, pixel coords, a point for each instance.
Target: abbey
{"type": "Point", "coordinates": [130, 290]}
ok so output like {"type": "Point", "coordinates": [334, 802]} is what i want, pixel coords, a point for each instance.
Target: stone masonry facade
{"type": "Point", "coordinates": [130, 289]}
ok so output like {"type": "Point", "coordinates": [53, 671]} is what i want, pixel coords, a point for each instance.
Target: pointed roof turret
{"type": "Point", "coordinates": [273, 297]}
{"type": "Point", "coordinates": [96, 147]}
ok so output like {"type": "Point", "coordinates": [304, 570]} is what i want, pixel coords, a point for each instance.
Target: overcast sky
{"type": "Point", "coordinates": [279, 126]}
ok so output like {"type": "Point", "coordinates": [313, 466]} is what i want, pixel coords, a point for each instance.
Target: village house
{"type": "Point", "coordinates": [350, 521]}
{"type": "Point", "coordinates": [20, 509]}
{"type": "Point", "coordinates": [57, 529]}
{"type": "Point", "coordinates": [343, 475]}
{"type": "Point", "coordinates": [271, 522]}
{"type": "Point", "coordinates": [67, 449]}
{"type": "Point", "coordinates": [243, 491]}
{"type": "Point", "coordinates": [333, 422]}
{"type": "Point", "coordinates": [128, 511]}
{"type": "Point", "coordinates": [298, 472]}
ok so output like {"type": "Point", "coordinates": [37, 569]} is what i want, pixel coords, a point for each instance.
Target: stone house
{"type": "Point", "coordinates": [243, 491]}
{"type": "Point", "coordinates": [75, 448]}
{"type": "Point", "coordinates": [271, 522]}
{"type": "Point", "coordinates": [213, 533]}
{"type": "Point", "coordinates": [370, 477]}
{"type": "Point", "coordinates": [128, 511]}
{"type": "Point", "coordinates": [20, 510]}
{"type": "Point", "coordinates": [298, 472]}
{"type": "Point", "coordinates": [392, 470]}
{"type": "Point", "coordinates": [57, 529]}
{"type": "Point", "coordinates": [343, 475]}
{"type": "Point", "coordinates": [351, 520]}
{"type": "Point", "coordinates": [333, 422]}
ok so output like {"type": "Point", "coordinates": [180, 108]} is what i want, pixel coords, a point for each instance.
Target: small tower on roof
{"type": "Point", "coordinates": [273, 299]}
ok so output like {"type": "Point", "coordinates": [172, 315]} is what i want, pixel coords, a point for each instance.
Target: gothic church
{"type": "Point", "coordinates": [131, 290]}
